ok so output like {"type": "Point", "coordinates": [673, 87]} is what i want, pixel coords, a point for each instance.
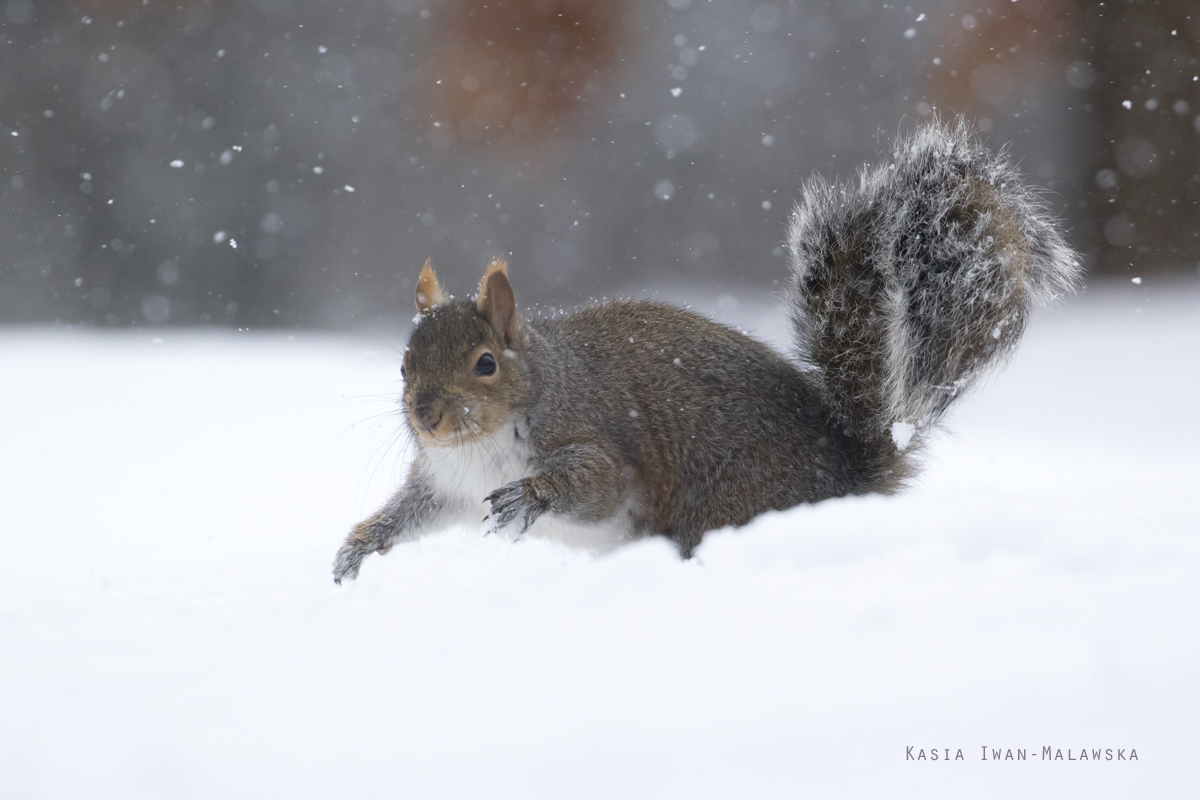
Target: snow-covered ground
{"type": "Point", "coordinates": [170, 503]}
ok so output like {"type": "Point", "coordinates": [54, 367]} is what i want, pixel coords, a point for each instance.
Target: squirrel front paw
{"type": "Point", "coordinates": [517, 502]}
{"type": "Point", "coordinates": [349, 558]}
{"type": "Point", "coordinates": [359, 544]}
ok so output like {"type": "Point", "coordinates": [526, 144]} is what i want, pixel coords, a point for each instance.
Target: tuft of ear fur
{"type": "Point", "coordinates": [496, 301]}
{"type": "Point", "coordinates": [429, 291]}
{"type": "Point", "coordinates": [497, 264]}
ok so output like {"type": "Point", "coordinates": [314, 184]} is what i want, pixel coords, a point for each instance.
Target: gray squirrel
{"type": "Point", "coordinates": [637, 418]}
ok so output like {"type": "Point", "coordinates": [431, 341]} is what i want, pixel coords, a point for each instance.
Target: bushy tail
{"type": "Point", "coordinates": [908, 285]}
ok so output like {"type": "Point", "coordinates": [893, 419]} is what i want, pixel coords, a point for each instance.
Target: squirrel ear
{"type": "Point", "coordinates": [497, 264]}
{"type": "Point", "coordinates": [429, 291]}
{"type": "Point", "coordinates": [496, 301]}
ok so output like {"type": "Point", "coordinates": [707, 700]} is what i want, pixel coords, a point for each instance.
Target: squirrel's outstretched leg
{"type": "Point", "coordinates": [417, 506]}
{"type": "Point", "coordinates": [585, 482]}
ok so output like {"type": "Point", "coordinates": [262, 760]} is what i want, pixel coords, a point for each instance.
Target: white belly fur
{"type": "Point", "coordinates": [470, 472]}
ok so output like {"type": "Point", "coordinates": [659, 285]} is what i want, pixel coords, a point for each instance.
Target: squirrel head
{"type": "Point", "coordinates": [462, 375]}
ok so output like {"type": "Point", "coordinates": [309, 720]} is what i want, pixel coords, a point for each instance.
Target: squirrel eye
{"type": "Point", "coordinates": [486, 365]}
{"type": "Point", "coordinates": [403, 374]}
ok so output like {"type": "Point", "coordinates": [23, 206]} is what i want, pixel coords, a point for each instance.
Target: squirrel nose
{"type": "Point", "coordinates": [425, 418]}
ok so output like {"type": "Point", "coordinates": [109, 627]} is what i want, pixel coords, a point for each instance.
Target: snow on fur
{"type": "Point", "coordinates": [925, 271]}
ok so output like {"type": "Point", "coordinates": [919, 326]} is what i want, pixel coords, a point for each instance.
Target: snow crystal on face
{"type": "Point", "coordinates": [902, 433]}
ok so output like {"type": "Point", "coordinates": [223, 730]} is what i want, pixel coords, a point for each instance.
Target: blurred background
{"type": "Point", "coordinates": [292, 163]}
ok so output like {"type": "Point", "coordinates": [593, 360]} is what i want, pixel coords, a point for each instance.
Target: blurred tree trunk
{"type": "Point", "coordinates": [1138, 134]}
{"type": "Point", "coordinates": [518, 72]}
{"type": "Point", "coordinates": [1146, 156]}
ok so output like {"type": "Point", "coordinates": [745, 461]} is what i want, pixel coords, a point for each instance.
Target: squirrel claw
{"type": "Point", "coordinates": [513, 503]}
{"type": "Point", "coordinates": [346, 564]}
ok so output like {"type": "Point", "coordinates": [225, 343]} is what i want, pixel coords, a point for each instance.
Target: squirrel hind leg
{"type": "Point", "coordinates": [685, 533]}
{"type": "Point", "coordinates": [686, 540]}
